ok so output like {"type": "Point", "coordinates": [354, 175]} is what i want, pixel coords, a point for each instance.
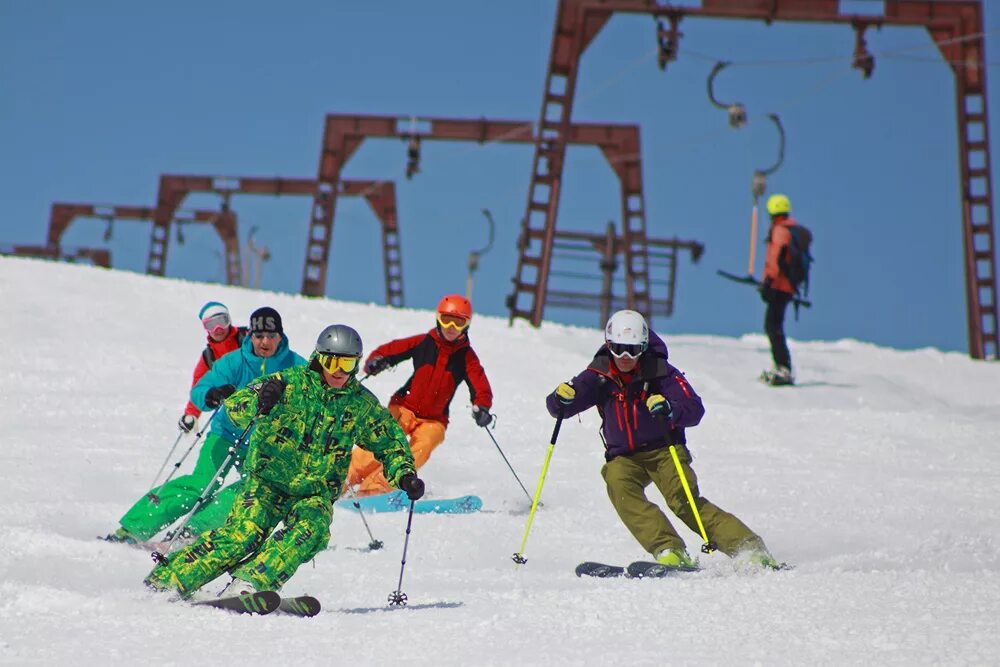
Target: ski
{"type": "Point", "coordinates": [600, 570]}
{"type": "Point", "coordinates": [459, 505]}
{"type": "Point", "coordinates": [303, 605]}
{"type": "Point", "coordinates": [396, 501]}
{"type": "Point", "coordinates": [253, 603]}
{"type": "Point", "coordinates": [635, 570]}
{"type": "Point", "coordinates": [641, 569]}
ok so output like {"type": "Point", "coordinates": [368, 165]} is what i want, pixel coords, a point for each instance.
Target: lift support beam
{"type": "Point", "coordinates": [380, 195]}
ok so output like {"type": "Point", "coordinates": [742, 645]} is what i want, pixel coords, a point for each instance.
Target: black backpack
{"type": "Point", "coordinates": [208, 356]}
{"type": "Point", "coordinates": [796, 259]}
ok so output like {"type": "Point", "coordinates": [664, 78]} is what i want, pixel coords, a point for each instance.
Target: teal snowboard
{"type": "Point", "coordinates": [396, 501]}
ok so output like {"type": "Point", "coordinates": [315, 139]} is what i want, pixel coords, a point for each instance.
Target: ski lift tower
{"type": "Point", "coordinates": [956, 26]}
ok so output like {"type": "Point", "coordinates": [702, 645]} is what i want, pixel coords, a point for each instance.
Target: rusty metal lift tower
{"type": "Point", "coordinates": [343, 135]}
{"type": "Point", "coordinates": [956, 26]}
{"type": "Point", "coordinates": [380, 195]}
{"type": "Point", "coordinates": [63, 214]}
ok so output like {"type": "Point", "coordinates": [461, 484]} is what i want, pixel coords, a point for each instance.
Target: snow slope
{"type": "Point", "coordinates": [876, 476]}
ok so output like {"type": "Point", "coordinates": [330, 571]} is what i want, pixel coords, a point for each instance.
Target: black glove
{"type": "Point", "coordinates": [187, 422]}
{"type": "Point", "coordinates": [216, 395]}
{"type": "Point", "coordinates": [376, 365]}
{"type": "Point", "coordinates": [481, 416]}
{"type": "Point", "coordinates": [269, 395]}
{"type": "Point", "coordinates": [413, 485]}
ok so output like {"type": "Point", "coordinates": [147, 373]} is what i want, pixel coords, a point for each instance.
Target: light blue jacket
{"type": "Point", "coordinates": [239, 368]}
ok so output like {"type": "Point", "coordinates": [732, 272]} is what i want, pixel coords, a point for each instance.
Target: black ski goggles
{"type": "Point", "coordinates": [628, 350]}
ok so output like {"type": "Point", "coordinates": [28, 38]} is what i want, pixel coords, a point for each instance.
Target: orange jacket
{"type": "Point", "coordinates": [228, 344]}
{"type": "Point", "coordinates": [778, 238]}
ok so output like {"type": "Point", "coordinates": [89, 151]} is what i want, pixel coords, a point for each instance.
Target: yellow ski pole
{"type": "Point", "coordinates": [708, 547]}
{"type": "Point", "coordinates": [519, 556]}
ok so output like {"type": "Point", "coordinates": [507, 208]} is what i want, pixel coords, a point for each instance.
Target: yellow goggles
{"type": "Point", "coordinates": [332, 363]}
{"type": "Point", "coordinates": [454, 321]}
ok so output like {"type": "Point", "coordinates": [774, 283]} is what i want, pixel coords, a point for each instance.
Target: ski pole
{"type": "Point", "coordinates": [154, 496]}
{"type": "Point", "coordinates": [398, 598]}
{"type": "Point", "coordinates": [374, 544]}
{"type": "Point", "coordinates": [753, 239]}
{"type": "Point", "coordinates": [709, 546]}
{"type": "Point", "coordinates": [489, 433]}
{"type": "Point", "coordinates": [159, 472]}
{"type": "Point", "coordinates": [207, 494]}
{"type": "Point", "coordinates": [519, 556]}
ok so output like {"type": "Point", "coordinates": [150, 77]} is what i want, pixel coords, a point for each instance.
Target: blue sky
{"type": "Point", "coordinates": [97, 101]}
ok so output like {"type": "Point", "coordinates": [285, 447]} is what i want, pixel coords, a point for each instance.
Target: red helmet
{"type": "Point", "coordinates": [455, 304]}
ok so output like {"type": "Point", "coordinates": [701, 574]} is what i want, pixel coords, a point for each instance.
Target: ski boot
{"type": "Point", "coordinates": [676, 558]}
{"type": "Point", "coordinates": [120, 536]}
{"type": "Point", "coordinates": [780, 376]}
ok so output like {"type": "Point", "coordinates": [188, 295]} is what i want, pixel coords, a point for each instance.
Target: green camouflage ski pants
{"type": "Point", "coordinates": [627, 478]}
{"type": "Point", "coordinates": [265, 559]}
{"type": "Point", "coordinates": [145, 519]}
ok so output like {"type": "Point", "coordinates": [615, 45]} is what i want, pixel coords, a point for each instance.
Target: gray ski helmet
{"type": "Point", "coordinates": [339, 339]}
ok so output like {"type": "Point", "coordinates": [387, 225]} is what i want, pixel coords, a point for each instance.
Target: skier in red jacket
{"type": "Point", "coordinates": [442, 359]}
{"type": "Point", "coordinates": [223, 338]}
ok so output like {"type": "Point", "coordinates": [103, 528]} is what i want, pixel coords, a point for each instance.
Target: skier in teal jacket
{"type": "Point", "coordinates": [263, 352]}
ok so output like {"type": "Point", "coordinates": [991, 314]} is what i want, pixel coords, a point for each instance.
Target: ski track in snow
{"type": "Point", "coordinates": [877, 477]}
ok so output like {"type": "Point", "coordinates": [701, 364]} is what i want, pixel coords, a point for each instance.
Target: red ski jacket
{"type": "Point", "coordinates": [208, 356]}
{"type": "Point", "coordinates": [438, 368]}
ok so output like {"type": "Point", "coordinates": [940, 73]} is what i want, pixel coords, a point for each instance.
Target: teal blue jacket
{"type": "Point", "coordinates": [239, 368]}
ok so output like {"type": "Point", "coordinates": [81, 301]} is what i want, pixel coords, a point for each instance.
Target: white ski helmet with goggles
{"type": "Point", "coordinates": [627, 334]}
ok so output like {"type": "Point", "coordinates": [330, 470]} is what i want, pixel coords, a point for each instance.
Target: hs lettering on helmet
{"type": "Point", "coordinates": [263, 324]}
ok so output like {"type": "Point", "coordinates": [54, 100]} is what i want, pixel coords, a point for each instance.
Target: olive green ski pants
{"type": "Point", "coordinates": [627, 478]}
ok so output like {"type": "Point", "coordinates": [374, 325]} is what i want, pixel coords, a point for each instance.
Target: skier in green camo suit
{"type": "Point", "coordinates": [308, 418]}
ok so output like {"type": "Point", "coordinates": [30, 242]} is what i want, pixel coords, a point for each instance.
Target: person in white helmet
{"type": "Point", "coordinates": [645, 406]}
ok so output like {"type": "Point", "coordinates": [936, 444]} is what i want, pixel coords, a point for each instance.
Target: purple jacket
{"type": "Point", "coordinates": [627, 427]}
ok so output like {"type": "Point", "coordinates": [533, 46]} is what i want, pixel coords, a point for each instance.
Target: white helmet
{"type": "Point", "coordinates": [627, 334]}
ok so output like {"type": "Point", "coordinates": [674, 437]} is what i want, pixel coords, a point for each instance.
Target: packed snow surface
{"type": "Point", "coordinates": [877, 477]}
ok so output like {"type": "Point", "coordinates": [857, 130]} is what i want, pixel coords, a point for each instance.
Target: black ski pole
{"type": "Point", "coordinates": [154, 496]}
{"type": "Point", "coordinates": [489, 433]}
{"type": "Point", "coordinates": [398, 598]}
{"type": "Point", "coordinates": [207, 494]}
{"type": "Point", "coordinates": [374, 544]}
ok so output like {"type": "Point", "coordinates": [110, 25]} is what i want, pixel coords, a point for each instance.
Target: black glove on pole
{"type": "Point", "coordinates": [481, 416]}
{"type": "Point", "coordinates": [413, 485]}
{"type": "Point", "coordinates": [269, 395]}
{"type": "Point", "coordinates": [376, 365]}
{"type": "Point", "coordinates": [216, 395]}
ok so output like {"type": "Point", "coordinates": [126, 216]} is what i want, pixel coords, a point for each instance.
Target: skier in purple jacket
{"type": "Point", "coordinates": [645, 404]}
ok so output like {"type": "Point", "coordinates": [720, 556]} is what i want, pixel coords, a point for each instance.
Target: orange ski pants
{"type": "Point", "coordinates": [365, 473]}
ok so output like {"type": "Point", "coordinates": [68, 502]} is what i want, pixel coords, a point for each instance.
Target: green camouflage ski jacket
{"type": "Point", "coordinates": [304, 445]}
